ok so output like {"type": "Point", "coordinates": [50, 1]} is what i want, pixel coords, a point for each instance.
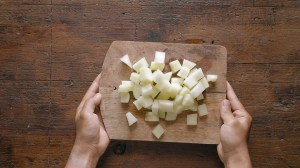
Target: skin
{"type": "Point", "coordinates": [233, 149]}
{"type": "Point", "coordinates": [92, 139]}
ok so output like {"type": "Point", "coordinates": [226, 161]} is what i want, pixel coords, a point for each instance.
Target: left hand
{"type": "Point", "coordinates": [91, 137]}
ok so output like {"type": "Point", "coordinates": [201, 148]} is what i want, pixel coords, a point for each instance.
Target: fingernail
{"type": "Point", "coordinates": [226, 103]}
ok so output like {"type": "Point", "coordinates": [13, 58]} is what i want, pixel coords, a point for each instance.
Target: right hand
{"type": "Point", "coordinates": [232, 149]}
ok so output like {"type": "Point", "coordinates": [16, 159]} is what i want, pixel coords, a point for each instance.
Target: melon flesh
{"type": "Point", "coordinates": [160, 57]}
{"type": "Point", "coordinates": [125, 96]}
{"type": "Point", "coordinates": [166, 94]}
{"type": "Point", "coordinates": [125, 59]}
{"type": "Point", "coordinates": [171, 116]}
{"type": "Point", "coordinates": [192, 119]}
{"type": "Point", "coordinates": [175, 66]}
{"type": "Point", "coordinates": [130, 118]}
{"type": "Point", "coordinates": [140, 64]}
{"type": "Point", "coordinates": [151, 117]}
{"type": "Point", "coordinates": [183, 73]}
{"type": "Point", "coordinates": [188, 64]}
{"type": "Point", "coordinates": [158, 131]}
{"type": "Point", "coordinates": [212, 78]}
{"type": "Point", "coordinates": [202, 110]}
{"type": "Point", "coordinates": [135, 77]}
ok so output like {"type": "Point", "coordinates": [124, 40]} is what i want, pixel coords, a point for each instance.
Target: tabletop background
{"type": "Point", "coordinates": [51, 50]}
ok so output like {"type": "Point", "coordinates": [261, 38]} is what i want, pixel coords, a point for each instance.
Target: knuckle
{"type": "Point", "coordinates": [233, 122]}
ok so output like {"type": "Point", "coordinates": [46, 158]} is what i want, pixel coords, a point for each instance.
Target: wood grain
{"type": "Point", "coordinates": [211, 58]}
{"type": "Point", "coordinates": [51, 50]}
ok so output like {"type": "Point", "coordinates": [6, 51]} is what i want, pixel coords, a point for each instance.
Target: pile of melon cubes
{"type": "Point", "coordinates": [165, 95]}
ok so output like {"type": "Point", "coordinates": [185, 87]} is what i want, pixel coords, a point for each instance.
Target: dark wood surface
{"type": "Point", "coordinates": [51, 50]}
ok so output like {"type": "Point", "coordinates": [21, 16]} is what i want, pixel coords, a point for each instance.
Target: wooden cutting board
{"type": "Point", "coordinates": [211, 58]}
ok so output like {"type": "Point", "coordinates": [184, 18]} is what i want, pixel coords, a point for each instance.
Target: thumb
{"type": "Point", "coordinates": [97, 99]}
{"type": "Point", "coordinates": [225, 111]}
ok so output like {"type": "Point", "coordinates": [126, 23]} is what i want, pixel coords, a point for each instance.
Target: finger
{"type": "Point", "coordinates": [234, 101]}
{"type": "Point", "coordinates": [220, 152]}
{"type": "Point", "coordinates": [241, 113]}
{"type": "Point", "coordinates": [90, 105]}
{"type": "Point", "coordinates": [101, 120]}
{"type": "Point", "coordinates": [93, 89]}
{"type": "Point", "coordinates": [226, 113]}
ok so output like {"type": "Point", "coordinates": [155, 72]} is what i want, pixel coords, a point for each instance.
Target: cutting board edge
{"type": "Point", "coordinates": [210, 45]}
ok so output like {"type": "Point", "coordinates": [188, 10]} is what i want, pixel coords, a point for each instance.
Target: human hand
{"type": "Point", "coordinates": [91, 137]}
{"type": "Point", "coordinates": [233, 149]}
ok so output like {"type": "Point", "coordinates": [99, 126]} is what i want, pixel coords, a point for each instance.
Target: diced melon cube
{"type": "Point", "coordinates": [146, 101]}
{"type": "Point", "coordinates": [162, 114]}
{"type": "Point", "coordinates": [159, 57]}
{"type": "Point", "coordinates": [185, 108]}
{"type": "Point", "coordinates": [202, 110]}
{"type": "Point", "coordinates": [128, 82]}
{"type": "Point", "coordinates": [137, 91]}
{"type": "Point", "coordinates": [156, 65]}
{"type": "Point", "coordinates": [147, 90]}
{"type": "Point", "coordinates": [175, 66]}
{"type": "Point", "coordinates": [125, 96]}
{"type": "Point", "coordinates": [189, 64]}
{"type": "Point", "coordinates": [192, 119]}
{"type": "Point", "coordinates": [168, 76]}
{"type": "Point", "coordinates": [171, 116]}
{"type": "Point", "coordinates": [184, 91]}
{"type": "Point", "coordinates": [197, 74]}
{"type": "Point", "coordinates": [140, 64]}
{"type": "Point", "coordinates": [177, 80]}
{"type": "Point", "coordinates": [158, 76]}
{"type": "Point", "coordinates": [200, 97]}
{"type": "Point", "coordinates": [163, 96]}
{"type": "Point", "coordinates": [158, 131]}
{"type": "Point", "coordinates": [126, 87]}
{"type": "Point", "coordinates": [204, 82]}
{"type": "Point", "coordinates": [190, 82]}
{"type": "Point", "coordinates": [194, 107]}
{"type": "Point", "coordinates": [184, 71]}
{"type": "Point", "coordinates": [134, 77]}
{"type": "Point", "coordinates": [163, 86]}
{"type": "Point", "coordinates": [187, 100]}
{"type": "Point", "coordinates": [130, 118]}
{"type": "Point", "coordinates": [155, 107]}
{"type": "Point", "coordinates": [197, 90]}
{"type": "Point", "coordinates": [146, 75]}
{"type": "Point", "coordinates": [192, 71]}
{"type": "Point", "coordinates": [166, 105]}
{"type": "Point", "coordinates": [173, 90]}
{"type": "Point", "coordinates": [138, 103]}
{"type": "Point", "coordinates": [125, 59]}
{"type": "Point", "coordinates": [155, 92]}
{"type": "Point", "coordinates": [149, 107]}
{"type": "Point", "coordinates": [212, 78]}
{"type": "Point", "coordinates": [178, 99]}
{"type": "Point", "coordinates": [151, 117]}
{"type": "Point", "coordinates": [178, 109]}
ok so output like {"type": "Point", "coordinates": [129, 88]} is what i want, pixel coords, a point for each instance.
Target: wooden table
{"type": "Point", "coordinates": [51, 50]}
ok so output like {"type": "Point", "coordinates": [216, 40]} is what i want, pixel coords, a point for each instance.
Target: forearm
{"type": "Point", "coordinates": [82, 157]}
{"type": "Point", "coordinates": [239, 159]}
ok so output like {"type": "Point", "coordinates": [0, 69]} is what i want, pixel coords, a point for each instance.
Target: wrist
{"type": "Point", "coordinates": [238, 158]}
{"type": "Point", "coordinates": [82, 155]}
